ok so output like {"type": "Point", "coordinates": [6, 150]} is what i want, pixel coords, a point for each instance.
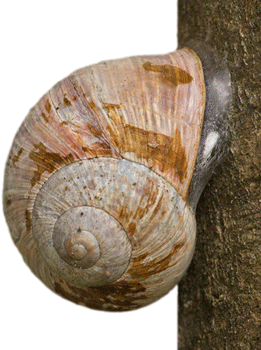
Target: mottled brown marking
{"type": "Point", "coordinates": [132, 228]}
{"type": "Point", "coordinates": [111, 107]}
{"type": "Point", "coordinates": [101, 148]}
{"type": "Point", "coordinates": [95, 130]}
{"type": "Point", "coordinates": [116, 130]}
{"type": "Point", "coordinates": [28, 220]}
{"type": "Point", "coordinates": [47, 161]}
{"type": "Point", "coordinates": [84, 148]}
{"type": "Point", "coordinates": [163, 213]}
{"type": "Point", "coordinates": [139, 258]}
{"type": "Point", "coordinates": [122, 212]}
{"type": "Point", "coordinates": [151, 193]}
{"type": "Point", "coordinates": [48, 106]}
{"type": "Point", "coordinates": [181, 159]}
{"type": "Point", "coordinates": [157, 208]}
{"type": "Point", "coordinates": [79, 139]}
{"type": "Point", "coordinates": [141, 270]}
{"type": "Point", "coordinates": [66, 101]}
{"type": "Point", "coordinates": [16, 157]}
{"type": "Point", "coordinates": [172, 74]}
{"type": "Point", "coordinates": [8, 202]}
{"type": "Point", "coordinates": [45, 118]}
{"type": "Point", "coordinates": [125, 217]}
{"type": "Point", "coordinates": [92, 105]}
{"type": "Point", "coordinates": [64, 123]}
{"type": "Point", "coordinates": [129, 218]}
{"type": "Point", "coordinates": [119, 296]}
{"type": "Point", "coordinates": [113, 112]}
{"type": "Point", "coordinates": [166, 152]}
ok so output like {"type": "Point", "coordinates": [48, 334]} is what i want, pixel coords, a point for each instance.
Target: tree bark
{"type": "Point", "coordinates": [220, 297]}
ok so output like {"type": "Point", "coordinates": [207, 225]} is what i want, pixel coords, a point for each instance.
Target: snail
{"type": "Point", "coordinates": [104, 175]}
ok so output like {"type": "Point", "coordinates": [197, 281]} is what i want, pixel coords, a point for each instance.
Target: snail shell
{"type": "Point", "coordinates": [98, 184]}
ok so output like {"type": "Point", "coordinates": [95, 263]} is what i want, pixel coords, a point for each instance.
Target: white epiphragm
{"type": "Point", "coordinates": [210, 142]}
{"type": "Point", "coordinates": [221, 86]}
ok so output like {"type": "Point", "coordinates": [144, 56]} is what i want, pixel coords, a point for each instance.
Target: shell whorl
{"type": "Point", "coordinates": [97, 180]}
{"type": "Point", "coordinates": [77, 207]}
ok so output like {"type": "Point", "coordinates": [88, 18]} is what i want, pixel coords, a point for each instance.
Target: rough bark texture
{"type": "Point", "coordinates": [220, 297]}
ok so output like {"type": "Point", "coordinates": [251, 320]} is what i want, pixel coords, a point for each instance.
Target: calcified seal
{"type": "Point", "coordinates": [104, 174]}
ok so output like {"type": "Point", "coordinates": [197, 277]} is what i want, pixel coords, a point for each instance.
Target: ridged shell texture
{"type": "Point", "coordinates": [97, 179]}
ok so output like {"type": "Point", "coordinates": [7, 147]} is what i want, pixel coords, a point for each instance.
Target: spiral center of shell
{"type": "Point", "coordinates": [93, 218]}
{"type": "Point", "coordinates": [80, 239]}
{"type": "Point", "coordinates": [73, 238]}
{"type": "Point", "coordinates": [81, 244]}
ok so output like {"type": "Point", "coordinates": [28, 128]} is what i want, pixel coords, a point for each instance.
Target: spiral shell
{"type": "Point", "coordinates": [98, 178]}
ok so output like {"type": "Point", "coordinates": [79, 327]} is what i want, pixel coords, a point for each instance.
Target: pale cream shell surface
{"type": "Point", "coordinates": [113, 144]}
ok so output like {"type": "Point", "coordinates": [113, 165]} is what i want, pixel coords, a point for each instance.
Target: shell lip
{"type": "Point", "coordinates": [215, 134]}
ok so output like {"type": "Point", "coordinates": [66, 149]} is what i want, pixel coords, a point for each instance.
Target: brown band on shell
{"type": "Point", "coordinates": [17, 156]}
{"type": "Point", "coordinates": [171, 74]}
{"type": "Point", "coordinates": [46, 161]}
{"type": "Point", "coordinates": [142, 110]}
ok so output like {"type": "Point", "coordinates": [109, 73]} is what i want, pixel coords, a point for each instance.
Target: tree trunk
{"type": "Point", "coordinates": [220, 297]}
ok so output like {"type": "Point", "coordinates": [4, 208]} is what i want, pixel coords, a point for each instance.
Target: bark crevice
{"type": "Point", "coordinates": [220, 297]}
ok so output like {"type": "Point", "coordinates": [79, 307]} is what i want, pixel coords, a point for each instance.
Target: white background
{"type": "Point", "coordinates": [41, 43]}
